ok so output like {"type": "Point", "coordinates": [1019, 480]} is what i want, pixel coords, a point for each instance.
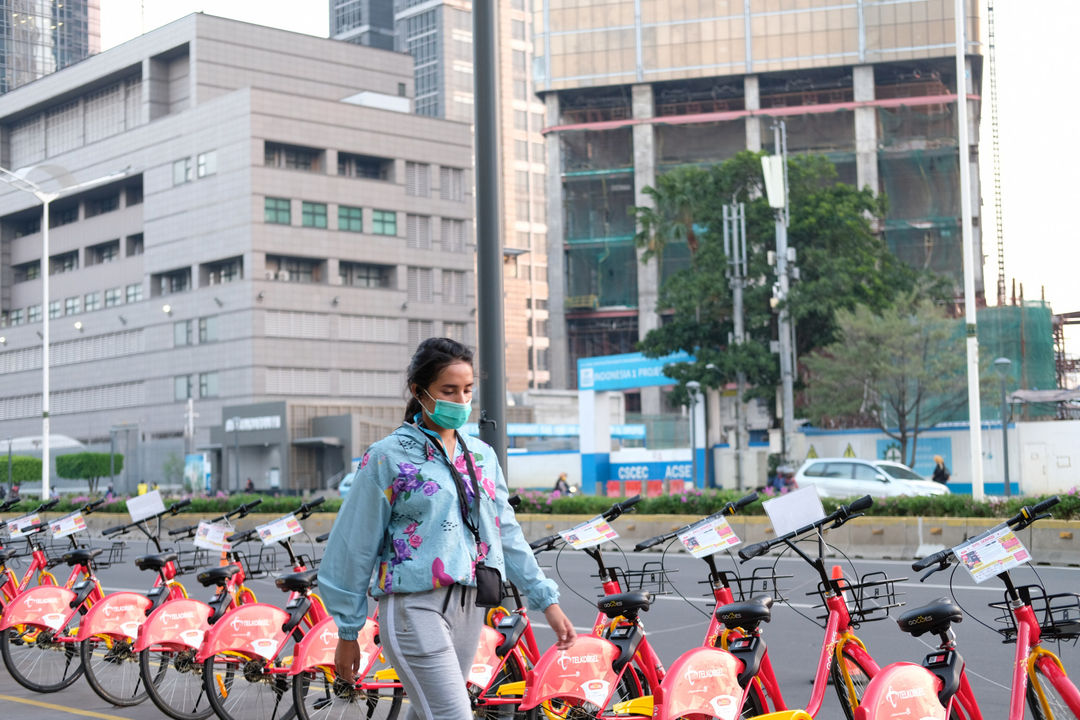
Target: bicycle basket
{"type": "Point", "coordinates": [868, 600]}
{"type": "Point", "coordinates": [762, 581]}
{"type": "Point", "coordinates": [1058, 615]}
{"type": "Point", "coordinates": [651, 577]}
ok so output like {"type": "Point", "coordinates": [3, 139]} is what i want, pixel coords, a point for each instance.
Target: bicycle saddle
{"type": "Point", "coordinates": [6, 554]}
{"type": "Point", "coordinates": [628, 603]}
{"type": "Point", "coordinates": [154, 562]}
{"type": "Point", "coordinates": [297, 582]}
{"type": "Point", "coordinates": [218, 576]}
{"type": "Point", "coordinates": [82, 557]}
{"type": "Point", "coordinates": [748, 614]}
{"type": "Point", "coordinates": [933, 618]}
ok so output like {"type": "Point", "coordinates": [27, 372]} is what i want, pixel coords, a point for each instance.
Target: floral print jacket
{"type": "Point", "coordinates": [400, 529]}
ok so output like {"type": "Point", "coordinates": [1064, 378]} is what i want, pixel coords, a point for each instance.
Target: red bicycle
{"type": "Point", "coordinates": [939, 688]}
{"type": "Point", "coordinates": [39, 560]}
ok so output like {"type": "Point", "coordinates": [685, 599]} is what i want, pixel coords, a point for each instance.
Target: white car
{"type": "Point", "coordinates": [850, 477]}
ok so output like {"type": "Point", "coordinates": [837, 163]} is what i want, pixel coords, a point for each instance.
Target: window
{"type": "Point", "coordinates": [208, 329]}
{"type": "Point", "coordinates": [278, 211]}
{"type": "Point", "coordinates": [865, 472]}
{"type": "Point", "coordinates": [181, 171]}
{"type": "Point", "coordinates": [26, 227]}
{"type": "Point", "coordinates": [27, 271]}
{"type": "Point", "coordinates": [517, 29]}
{"type": "Point", "coordinates": [313, 214]}
{"type": "Point", "coordinates": [420, 330]}
{"type": "Point", "coordinates": [418, 232]}
{"type": "Point", "coordinates": [453, 287]}
{"type": "Point", "coordinates": [104, 253]}
{"type": "Point", "coordinates": [453, 235]}
{"type": "Point", "coordinates": [364, 166]}
{"type": "Point", "coordinates": [92, 301]}
{"type": "Point", "coordinates": [521, 182]}
{"type": "Point", "coordinates": [224, 271]}
{"type": "Point", "coordinates": [521, 120]}
{"type": "Point", "coordinates": [208, 384]}
{"type": "Point", "coordinates": [64, 215]}
{"type": "Point", "coordinates": [293, 157]}
{"type": "Point", "coordinates": [538, 121]}
{"type": "Point", "coordinates": [206, 163]}
{"type": "Point", "coordinates": [384, 222]}
{"type": "Point", "coordinates": [538, 151]}
{"type": "Point", "coordinates": [54, 309]}
{"type": "Point", "coordinates": [294, 269]}
{"type": "Point", "coordinates": [133, 195]}
{"type": "Point", "coordinates": [452, 184]}
{"type": "Point", "coordinates": [181, 387]}
{"type": "Point", "coordinates": [454, 331]}
{"type": "Point", "coordinates": [113, 297]}
{"type": "Point", "coordinates": [181, 333]}
{"type": "Point", "coordinates": [102, 205]}
{"type": "Point", "coordinates": [421, 284]}
{"type": "Point", "coordinates": [134, 245]}
{"type": "Point", "coordinates": [350, 219]}
{"type": "Point", "coordinates": [417, 179]}
{"type": "Point", "coordinates": [65, 262]}
{"type": "Point", "coordinates": [521, 150]}
{"type": "Point", "coordinates": [519, 61]}
{"type": "Point", "coordinates": [521, 90]}
{"type": "Point", "coordinates": [71, 305]}
{"type": "Point", "coordinates": [364, 275]}
{"type": "Point", "coordinates": [133, 293]}
{"type": "Point", "coordinates": [33, 313]}
{"type": "Point", "coordinates": [16, 316]}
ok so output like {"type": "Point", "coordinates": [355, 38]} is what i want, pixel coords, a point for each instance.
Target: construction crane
{"type": "Point", "coordinates": [997, 154]}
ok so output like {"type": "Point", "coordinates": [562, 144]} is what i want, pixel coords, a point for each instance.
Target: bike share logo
{"type": "Point", "coordinates": [566, 661]}
{"type": "Point", "coordinates": [111, 610]}
{"type": "Point", "coordinates": [692, 675]}
{"type": "Point", "coordinates": [893, 696]}
{"type": "Point", "coordinates": [328, 636]}
{"type": "Point", "coordinates": [238, 623]}
{"type": "Point", "coordinates": [176, 617]}
{"type": "Point", "coordinates": [49, 601]}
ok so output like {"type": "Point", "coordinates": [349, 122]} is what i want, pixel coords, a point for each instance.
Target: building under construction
{"type": "Point", "coordinates": [635, 88]}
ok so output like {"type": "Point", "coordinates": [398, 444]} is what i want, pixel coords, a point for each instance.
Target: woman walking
{"type": "Point", "coordinates": [426, 517]}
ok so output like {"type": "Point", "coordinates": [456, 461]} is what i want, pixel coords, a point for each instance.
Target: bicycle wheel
{"type": "Point", "coordinates": [848, 674]}
{"type": "Point", "coordinates": [754, 705]}
{"type": "Point", "coordinates": [242, 688]}
{"type": "Point", "coordinates": [174, 682]}
{"type": "Point", "coordinates": [112, 670]}
{"type": "Point", "coordinates": [511, 671]}
{"type": "Point", "coordinates": [317, 695]}
{"type": "Point", "coordinates": [37, 660]}
{"type": "Point", "coordinates": [1057, 708]}
{"type": "Point", "coordinates": [631, 685]}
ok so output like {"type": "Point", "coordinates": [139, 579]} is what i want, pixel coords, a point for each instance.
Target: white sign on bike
{"type": "Point", "coordinates": [280, 529]}
{"type": "Point", "coordinates": [67, 525]}
{"type": "Point", "coordinates": [991, 553]}
{"type": "Point", "coordinates": [15, 527]}
{"type": "Point", "coordinates": [794, 510]}
{"type": "Point", "coordinates": [589, 533]}
{"type": "Point", "coordinates": [709, 537]}
{"type": "Point", "coordinates": [211, 536]}
{"type": "Point", "coordinates": [145, 506]}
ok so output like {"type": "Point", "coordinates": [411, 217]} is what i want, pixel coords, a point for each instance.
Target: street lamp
{"type": "Point", "coordinates": [19, 180]}
{"type": "Point", "coordinates": [236, 448]}
{"type": "Point", "coordinates": [1002, 365]}
{"type": "Point", "coordinates": [693, 386]}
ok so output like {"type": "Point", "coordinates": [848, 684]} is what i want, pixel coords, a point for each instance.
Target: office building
{"type": "Point", "coordinates": [37, 38]}
{"type": "Point", "coordinates": [363, 22]}
{"type": "Point", "coordinates": [635, 88]}
{"type": "Point", "coordinates": [253, 288]}
{"type": "Point", "coordinates": [438, 35]}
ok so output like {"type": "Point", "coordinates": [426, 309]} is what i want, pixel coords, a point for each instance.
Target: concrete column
{"type": "Point", "coordinates": [866, 158]}
{"type": "Point", "coordinates": [594, 421]}
{"type": "Point", "coordinates": [559, 350]}
{"type": "Point", "coordinates": [752, 100]}
{"type": "Point", "coordinates": [648, 275]}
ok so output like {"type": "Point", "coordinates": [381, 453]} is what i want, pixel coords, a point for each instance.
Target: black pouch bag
{"type": "Point", "coordinates": [489, 583]}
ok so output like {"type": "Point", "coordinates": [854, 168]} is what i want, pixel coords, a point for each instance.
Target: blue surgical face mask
{"type": "Point", "coordinates": [448, 414]}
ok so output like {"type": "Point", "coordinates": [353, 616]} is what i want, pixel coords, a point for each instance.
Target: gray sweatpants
{"type": "Point", "coordinates": [430, 638]}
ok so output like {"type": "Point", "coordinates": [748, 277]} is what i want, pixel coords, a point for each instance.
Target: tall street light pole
{"type": "Point", "coordinates": [18, 180]}
{"type": "Point", "coordinates": [694, 387]}
{"type": "Point", "coordinates": [1003, 364]}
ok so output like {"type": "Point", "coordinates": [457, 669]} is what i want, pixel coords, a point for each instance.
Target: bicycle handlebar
{"type": "Point", "coordinates": [90, 507]}
{"type": "Point", "coordinates": [244, 536]}
{"type": "Point", "coordinates": [183, 530]}
{"type": "Point", "coordinates": [114, 529]}
{"type": "Point", "coordinates": [837, 517]}
{"type": "Point", "coordinates": [48, 505]}
{"type": "Point", "coordinates": [730, 509]}
{"type": "Point", "coordinates": [548, 543]}
{"type": "Point", "coordinates": [307, 508]}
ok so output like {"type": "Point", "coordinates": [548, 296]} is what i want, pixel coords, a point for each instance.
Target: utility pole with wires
{"type": "Point", "coordinates": [735, 250]}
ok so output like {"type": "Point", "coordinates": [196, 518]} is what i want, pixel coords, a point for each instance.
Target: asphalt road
{"type": "Point", "coordinates": [675, 625]}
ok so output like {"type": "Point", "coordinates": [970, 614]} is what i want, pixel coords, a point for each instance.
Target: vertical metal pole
{"type": "Point", "coordinates": [735, 249]}
{"type": "Point", "coordinates": [236, 449]}
{"type": "Point", "coordinates": [112, 454]}
{"type": "Point", "coordinates": [1005, 433]}
{"type": "Point", "coordinates": [784, 319]}
{"type": "Point", "coordinates": [974, 402]}
{"type": "Point", "coordinates": [46, 469]}
{"type": "Point", "coordinates": [489, 271]}
{"type": "Point", "coordinates": [9, 468]}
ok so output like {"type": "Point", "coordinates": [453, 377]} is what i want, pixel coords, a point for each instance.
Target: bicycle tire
{"type": "Point", "coordinates": [174, 682]}
{"type": "Point", "coordinates": [754, 705]}
{"type": "Point", "coordinates": [238, 690]}
{"type": "Point", "coordinates": [846, 670]}
{"type": "Point", "coordinates": [112, 670]}
{"type": "Point", "coordinates": [1057, 706]}
{"type": "Point", "coordinates": [316, 695]}
{"type": "Point", "coordinates": [36, 661]}
{"type": "Point", "coordinates": [512, 670]}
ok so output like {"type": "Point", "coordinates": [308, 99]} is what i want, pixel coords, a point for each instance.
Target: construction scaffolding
{"type": "Point", "coordinates": [1023, 333]}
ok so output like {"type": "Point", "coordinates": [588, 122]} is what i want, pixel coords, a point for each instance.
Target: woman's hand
{"type": "Point", "coordinates": [347, 660]}
{"type": "Point", "coordinates": [564, 629]}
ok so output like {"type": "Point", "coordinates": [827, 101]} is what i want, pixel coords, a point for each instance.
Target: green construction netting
{"type": "Point", "coordinates": [597, 149]}
{"type": "Point", "coordinates": [1023, 334]}
{"type": "Point", "coordinates": [601, 274]}
{"type": "Point", "coordinates": [703, 143]}
{"type": "Point", "coordinates": [597, 207]}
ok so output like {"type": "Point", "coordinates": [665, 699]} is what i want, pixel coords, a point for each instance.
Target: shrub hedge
{"type": "Point", "coordinates": [693, 502]}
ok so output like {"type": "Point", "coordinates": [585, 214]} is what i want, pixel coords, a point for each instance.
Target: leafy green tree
{"type": "Point", "coordinates": [23, 469]}
{"type": "Point", "coordinates": [842, 263]}
{"type": "Point", "coordinates": [173, 469]}
{"type": "Point", "coordinates": [900, 369]}
{"type": "Point", "coordinates": [88, 466]}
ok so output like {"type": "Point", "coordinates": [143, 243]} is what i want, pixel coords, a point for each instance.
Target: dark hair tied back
{"type": "Point", "coordinates": [432, 356]}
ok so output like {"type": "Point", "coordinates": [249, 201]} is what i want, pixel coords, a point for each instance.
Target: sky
{"type": "Point", "coordinates": [1035, 59]}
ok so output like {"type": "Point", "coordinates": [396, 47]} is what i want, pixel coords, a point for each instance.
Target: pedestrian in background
{"type": "Point", "coordinates": [941, 473]}
{"type": "Point", "coordinates": [562, 487]}
{"type": "Point", "coordinates": [426, 514]}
